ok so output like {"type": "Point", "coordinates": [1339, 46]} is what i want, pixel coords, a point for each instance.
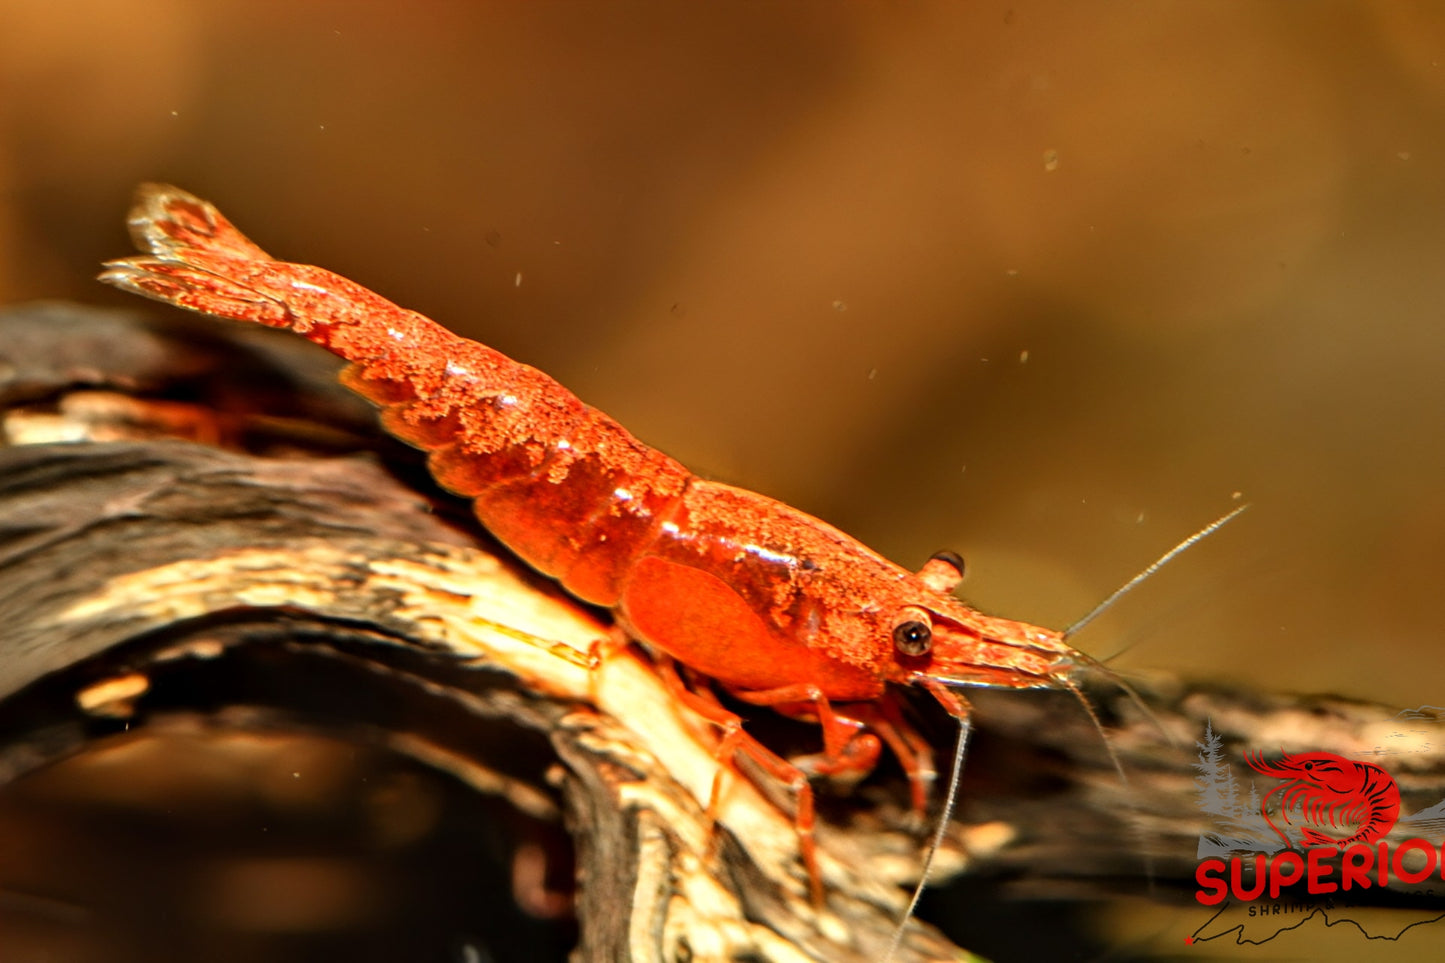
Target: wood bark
{"type": "Point", "coordinates": [185, 506]}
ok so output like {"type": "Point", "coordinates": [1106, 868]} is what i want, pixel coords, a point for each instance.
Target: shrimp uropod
{"type": "Point", "coordinates": [774, 606]}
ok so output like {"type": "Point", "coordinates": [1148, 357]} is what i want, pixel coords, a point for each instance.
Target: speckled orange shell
{"type": "Point", "coordinates": [745, 589]}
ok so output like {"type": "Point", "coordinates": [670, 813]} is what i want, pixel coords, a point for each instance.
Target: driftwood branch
{"type": "Point", "coordinates": [141, 576]}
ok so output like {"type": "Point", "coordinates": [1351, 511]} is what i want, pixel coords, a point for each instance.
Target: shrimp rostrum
{"type": "Point", "coordinates": [772, 605]}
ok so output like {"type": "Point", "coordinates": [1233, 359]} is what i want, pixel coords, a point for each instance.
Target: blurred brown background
{"type": "Point", "coordinates": [1047, 283]}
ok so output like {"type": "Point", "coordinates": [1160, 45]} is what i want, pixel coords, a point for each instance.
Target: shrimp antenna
{"type": "Point", "coordinates": [1121, 650]}
{"type": "Point", "coordinates": [1093, 715]}
{"type": "Point", "coordinates": [964, 727]}
{"type": "Point", "coordinates": [1137, 830]}
{"type": "Point", "coordinates": [1119, 593]}
{"type": "Point", "coordinates": [1159, 563]}
{"type": "Point", "coordinates": [1127, 689]}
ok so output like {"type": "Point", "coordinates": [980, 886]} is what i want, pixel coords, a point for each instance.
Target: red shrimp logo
{"type": "Point", "coordinates": [1321, 838]}
{"type": "Point", "coordinates": [1330, 791]}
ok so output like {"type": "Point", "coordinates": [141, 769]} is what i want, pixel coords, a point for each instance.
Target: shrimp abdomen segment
{"type": "Point", "coordinates": [561, 484]}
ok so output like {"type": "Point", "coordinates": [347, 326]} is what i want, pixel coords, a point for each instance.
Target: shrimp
{"type": "Point", "coordinates": [1327, 788]}
{"type": "Point", "coordinates": [772, 605]}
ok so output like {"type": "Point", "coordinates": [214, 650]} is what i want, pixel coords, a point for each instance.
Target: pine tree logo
{"type": "Point", "coordinates": [1240, 827]}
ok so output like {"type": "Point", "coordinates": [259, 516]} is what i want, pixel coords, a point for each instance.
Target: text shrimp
{"type": "Point", "coordinates": [774, 606]}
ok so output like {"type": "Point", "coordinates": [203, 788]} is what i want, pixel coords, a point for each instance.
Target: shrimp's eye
{"type": "Point", "coordinates": [954, 559]}
{"type": "Point", "coordinates": [913, 637]}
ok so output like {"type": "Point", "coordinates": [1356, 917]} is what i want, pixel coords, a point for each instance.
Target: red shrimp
{"type": "Point", "coordinates": [778, 608]}
{"type": "Point", "coordinates": [1328, 789]}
